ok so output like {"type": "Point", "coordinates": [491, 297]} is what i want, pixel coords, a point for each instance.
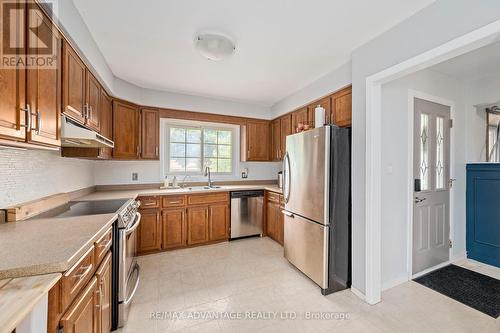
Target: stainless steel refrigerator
{"type": "Point", "coordinates": [316, 188]}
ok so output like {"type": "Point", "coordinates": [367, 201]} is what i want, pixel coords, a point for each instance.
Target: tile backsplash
{"type": "Point", "coordinates": [31, 174]}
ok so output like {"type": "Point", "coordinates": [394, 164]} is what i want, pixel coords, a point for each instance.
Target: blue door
{"type": "Point", "coordinates": [483, 213]}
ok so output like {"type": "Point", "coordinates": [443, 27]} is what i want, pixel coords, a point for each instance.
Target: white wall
{"type": "Point", "coordinates": [334, 80]}
{"type": "Point", "coordinates": [120, 172]}
{"type": "Point", "coordinates": [31, 174]}
{"type": "Point", "coordinates": [431, 27]}
{"type": "Point", "coordinates": [484, 90]}
{"type": "Point", "coordinates": [131, 92]}
{"type": "Point", "coordinates": [395, 165]}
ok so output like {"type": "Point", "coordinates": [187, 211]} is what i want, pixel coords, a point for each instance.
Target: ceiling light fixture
{"type": "Point", "coordinates": [214, 47]}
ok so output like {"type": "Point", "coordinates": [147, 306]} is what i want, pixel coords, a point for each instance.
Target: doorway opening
{"type": "Point", "coordinates": [390, 178]}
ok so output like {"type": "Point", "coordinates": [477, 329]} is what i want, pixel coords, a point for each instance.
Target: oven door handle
{"type": "Point", "coordinates": [138, 269]}
{"type": "Point", "coordinates": [134, 226]}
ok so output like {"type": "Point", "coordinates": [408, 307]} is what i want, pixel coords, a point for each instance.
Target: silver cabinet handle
{"type": "Point", "coordinates": [38, 122]}
{"type": "Point", "coordinates": [85, 272]}
{"type": "Point", "coordinates": [419, 200]}
{"type": "Point", "coordinates": [156, 151]}
{"type": "Point", "coordinates": [27, 110]}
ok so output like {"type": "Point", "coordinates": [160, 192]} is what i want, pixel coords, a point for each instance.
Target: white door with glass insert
{"type": "Point", "coordinates": [431, 207]}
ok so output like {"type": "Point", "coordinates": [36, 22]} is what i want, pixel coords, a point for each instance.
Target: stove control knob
{"type": "Point", "coordinates": [136, 204]}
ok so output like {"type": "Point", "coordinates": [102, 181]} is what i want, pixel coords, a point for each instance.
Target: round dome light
{"type": "Point", "coordinates": [214, 47]}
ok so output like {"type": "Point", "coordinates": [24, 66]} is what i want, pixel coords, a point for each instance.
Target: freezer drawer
{"type": "Point", "coordinates": [306, 247]}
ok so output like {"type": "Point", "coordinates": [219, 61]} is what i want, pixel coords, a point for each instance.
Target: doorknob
{"type": "Point", "coordinates": [419, 200]}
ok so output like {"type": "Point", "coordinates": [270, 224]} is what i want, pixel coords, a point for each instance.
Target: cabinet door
{"type": "Point", "coordinates": [81, 317]}
{"type": "Point", "coordinates": [299, 117]}
{"type": "Point", "coordinates": [44, 85]}
{"type": "Point", "coordinates": [342, 108]}
{"type": "Point", "coordinates": [73, 84]}
{"type": "Point", "coordinates": [92, 94]}
{"type": "Point", "coordinates": [125, 130]}
{"type": "Point", "coordinates": [106, 121]}
{"type": "Point", "coordinates": [173, 228]}
{"type": "Point", "coordinates": [257, 141]}
{"type": "Point", "coordinates": [276, 139]}
{"type": "Point", "coordinates": [149, 235]}
{"type": "Point", "coordinates": [218, 222]}
{"type": "Point", "coordinates": [103, 275]}
{"type": "Point", "coordinates": [286, 129]}
{"type": "Point", "coordinates": [13, 94]}
{"type": "Point", "coordinates": [271, 222]}
{"type": "Point", "coordinates": [197, 225]}
{"type": "Point", "coordinates": [150, 128]}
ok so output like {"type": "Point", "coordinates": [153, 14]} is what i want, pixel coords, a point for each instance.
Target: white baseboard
{"type": "Point", "coordinates": [459, 257]}
{"type": "Point", "coordinates": [394, 282]}
{"type": "Point", "coordinates": [358, 293]}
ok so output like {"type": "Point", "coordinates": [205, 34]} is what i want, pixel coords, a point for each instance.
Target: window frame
{"type": "Point", "coordinates": [165, 141]}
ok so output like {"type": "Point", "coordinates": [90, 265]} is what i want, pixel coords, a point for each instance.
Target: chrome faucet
{"type": "Point", "coordinates": [207, 173]}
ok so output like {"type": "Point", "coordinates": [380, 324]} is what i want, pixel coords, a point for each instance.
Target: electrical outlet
{"type": "Point", "coordinates": [135, 176]}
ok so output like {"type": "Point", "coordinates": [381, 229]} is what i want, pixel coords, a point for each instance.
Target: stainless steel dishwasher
{"type": "Point", "coordinates": [247, 209]}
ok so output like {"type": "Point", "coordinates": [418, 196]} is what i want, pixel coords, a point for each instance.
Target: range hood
{"type": "Point", "coordinates": [75, 135]}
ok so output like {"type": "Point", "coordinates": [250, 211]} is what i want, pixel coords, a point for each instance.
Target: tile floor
{"type": "Point", "coordinates": [233, 279]}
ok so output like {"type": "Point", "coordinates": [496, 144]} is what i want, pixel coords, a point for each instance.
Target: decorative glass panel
{"type": "Point", "coordinates": [424, 152]}
{"type": "Point", "coordinates": [440, 162]}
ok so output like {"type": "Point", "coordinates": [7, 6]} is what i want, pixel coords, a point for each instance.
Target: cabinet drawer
{"type": "Point", "coordinates": [273, 197]}
{"type": "Point", "coordinates": [149, 202]}
{"type": "Point", "coordinates": [77, 277]}
{"type": "Point", "coordinates": [173, 201]}
{"type": "Point", "coordinates": [200, 199]}
{"type": "Point", "coordinates": [102, 246]}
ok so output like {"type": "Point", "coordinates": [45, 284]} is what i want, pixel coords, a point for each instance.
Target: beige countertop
{"type": "Point", "coordinates": [50, 245]}
{"type": "Point", "coordinates": [19, 296]}
{"type": "Point", "coordinates": [42, 246]}
{"type": "Point", "coordinates": [126, 194]}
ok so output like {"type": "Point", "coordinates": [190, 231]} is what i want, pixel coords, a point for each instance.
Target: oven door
{"type": "Point", "coordinates": [129, 269]}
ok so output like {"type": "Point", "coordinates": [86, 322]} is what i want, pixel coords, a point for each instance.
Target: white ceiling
{"type": "Point", "coordinates": [282, 45]}
{"type": "Point", "coordinates": [473, 65]}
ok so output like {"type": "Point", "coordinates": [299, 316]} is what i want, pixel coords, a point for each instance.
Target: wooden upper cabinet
{"type": "Point", "coordinates": [82, 316]}
{"type": "Point", "coordinates": [197, 225]}
{"type": "Point", "coordinates": [92, 105]}
{"type": "Point", "coordinates": [150, 134]}
{"type": "Point", "coordinates": [286, 129]}
{"type": "Point", "coordinates": [173, 228]}
{"type": "Point", "coordinates": [218, 222]}
{"type": "Point", "coordinates": [255, 141]}
{"type": "Point", "coordinates": [149, 235]}
{"type": "Point", "coordinates": [275, 140]}
{"type": "Point", "coordinates": [44, 85]}
{"type": "Point", "coordinates": [106, 122]}
{"type": "Point", "coordinates": [74, 79]}
{"type": "Point", "coordinates": [299, 117]}
{"type": "Point", "coordinates": [13, 95]}
{"type": "Point", "coordinates": [342, 107]}
{"type": "Point", "coordinates": [125, 130]}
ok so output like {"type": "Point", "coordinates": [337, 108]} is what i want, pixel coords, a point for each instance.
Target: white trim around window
{"type": "Point", "coordinates": [165, 128]}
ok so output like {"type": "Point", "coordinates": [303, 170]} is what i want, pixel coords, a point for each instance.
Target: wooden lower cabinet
{"type": "Point", "coordinates": [274, 218]}
{"type": "Point", "coordinates": [90, 310]}
{"type": "Point", "coordinates": [197, 225]}
{"type": "Point", "coordinates": [173, 228]}
{"type": "Point", "coordinates": [149, 235]}
{"type": "Point", "coordinates": [103, 276]}
{"type": "Point", "coordinates": [82, 315]}
{"type": "Point", "coordinates": [218, 222]}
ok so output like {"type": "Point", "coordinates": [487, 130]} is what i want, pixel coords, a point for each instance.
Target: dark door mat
{"type": "Point", "coordinates": [473, 289]}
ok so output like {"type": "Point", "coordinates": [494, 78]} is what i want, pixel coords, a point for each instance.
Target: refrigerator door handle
{"type": "Point", "coordinates": [286, 177]}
